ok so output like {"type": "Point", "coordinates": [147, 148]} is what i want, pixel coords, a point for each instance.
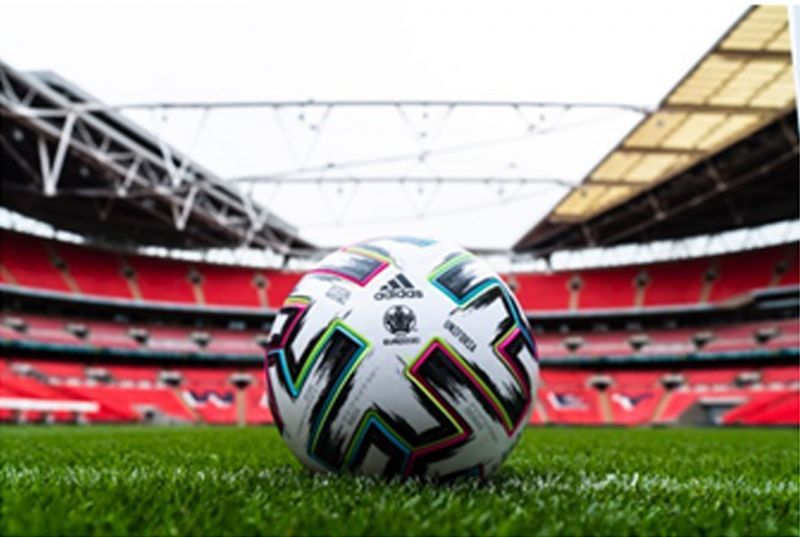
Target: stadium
{"type": "Point", "coordinates": [139, 289]}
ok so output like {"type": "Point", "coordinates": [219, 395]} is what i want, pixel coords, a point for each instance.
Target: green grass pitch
{"type": "Point", "coordinates": [218, 481]}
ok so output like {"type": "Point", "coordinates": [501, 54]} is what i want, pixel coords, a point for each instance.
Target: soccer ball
{"type": "Point", "coordinates": [401, 357]}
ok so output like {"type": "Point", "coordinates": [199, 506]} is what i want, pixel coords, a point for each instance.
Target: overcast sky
{"type": "Point", "coordinates": [124, 52]}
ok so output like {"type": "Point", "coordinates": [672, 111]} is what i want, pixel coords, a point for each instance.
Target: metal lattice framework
{"type": "Point", "coordinates": [53, 125]}
{"type": "Point", "coordinates": [718, 153]}
{"type": "Point", "coordinates": [65, 160]}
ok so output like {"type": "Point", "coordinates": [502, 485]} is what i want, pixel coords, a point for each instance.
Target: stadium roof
{"type": "Point", "coordinates": [100, 175]}
{"type": "Point", "coordinates": [345, 167]}
{"type": "Point", "coordinates": [741, 89]}
{"type": "Point", "coordinates": [469, 131]}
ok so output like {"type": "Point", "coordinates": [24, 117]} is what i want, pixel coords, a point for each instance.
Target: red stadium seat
{"type": "Point", "coordinates": [258, 411]}
{"type": "Point", "coordinates": [741, 273]}
{"type": "Point", "coordinates": [786, 374]}
{"type": "Point", "coordinates": [634, 396]}
{"type": "Point", "coordinates": [565, 396]}
{"type": "Point", "coordinates": [95, 272]}
{"type": "Point", "coordinates": [675, 283]}
{"type": "Point", "coordinates": [783, 411]}
{"type": "Point", "coordinates": [542, 292]}
{"type": "Point", "coordinates": [792, 274]}
{"type": "Point", "coordinates": [608, 288]}
{"type": "Point", "coordinates": [229, 286]}
{"type": "Point", "coordinates": [162, 280]}
{"type": "Point", "coordinates": [29, 264]}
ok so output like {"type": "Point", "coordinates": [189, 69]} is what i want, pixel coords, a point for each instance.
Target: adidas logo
{"type": "Point", "coordinates": [397, 287]}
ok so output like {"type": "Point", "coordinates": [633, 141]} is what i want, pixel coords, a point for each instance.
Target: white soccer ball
{"type": "Point", "coordinates": [401, 357]}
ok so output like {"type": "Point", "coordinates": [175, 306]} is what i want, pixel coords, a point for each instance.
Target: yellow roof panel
{"type": "Point", "coordinates": [616, 166]}
{"type": "Point", "coordinates": [754, 76]}
{"type": "Point", "coordinates": [781, 43]}
{"type": "Point", "coordinates": [711, 75]}
{"type": "Point", "coordinates": [742, 84]}
{"type": "Point", "coordinates": [588, 199]}
{"type": "Point", "coordinates": [654, 166]}
{"type": "Point", "coordinates": [579, 201]}
{"type": "Point", "coordinates": [653, 130]}
{"type": "Point", "coordinates": [694, 129]}
{"type": "Point", "coordinates": [758, 29]}
{"type": "Point", "coordinates": [779, 93]}
{"type": "Point", "coordinates": [637, 167]}
{"type": "Point", "coordinates": [729, 129]}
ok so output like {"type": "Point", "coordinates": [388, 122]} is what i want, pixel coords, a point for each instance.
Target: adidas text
{"type": "Point", "coordinates": [397, 287]}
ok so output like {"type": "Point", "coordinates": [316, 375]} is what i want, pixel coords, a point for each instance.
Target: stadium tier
{"type": "Point", "coordinates": [75, 392]}
{"type": "Point", "coordinates": [753, 338]}
{"type": "Point", "coordinates": [82, 335]}
{"type": "Point", "coordinates": [47, 266]}
{"type": "Point", "coordinates": [78, 334]}
{"type": "Point", "coordinates": [183, 359]}
{"type": "Point", "coordinates": [27, 262]}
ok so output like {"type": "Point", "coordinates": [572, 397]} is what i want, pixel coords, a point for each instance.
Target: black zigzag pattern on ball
{"type": "Point", "coordinates": [374, 438]}
{"type": "Point", "coordinates": [355, 266]}
{"type": "Point", "coordinates": [515, 401]}
{"type": "Point", "coordinates": [337, 352]}
{"type": "Point", "coordinates": [459, 280]}
{"type": "Point", "coordinates": [283, 342]}
{"type": "Point", "coordinates": [445, 377]}
{"type": "Point", "coordinates": [295, 319]}
{"type": "Point", "coordinates": [440, 376]}
{"type": "Point", "coordinates": [513, 348]}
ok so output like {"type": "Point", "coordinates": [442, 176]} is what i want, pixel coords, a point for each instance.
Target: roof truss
{"type": "Point", "coordinates": [100, 159]}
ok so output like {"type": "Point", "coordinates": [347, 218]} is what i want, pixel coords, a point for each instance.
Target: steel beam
{"type": "Point", "coordinates": [156, 172]}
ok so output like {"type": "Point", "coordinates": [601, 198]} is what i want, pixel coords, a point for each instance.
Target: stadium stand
{"type": "Point", "coordinates": [162, 280]}
{"type": "Point", "coordinates": [93, 334]}
{"type": "Point", "coordinates": [612, 288]}
{"type": "Point", "coordinates": [36, 388]}
{"type": "Point", "coordinates": [45, 265]}
{"type": "Point", "coordinates": [231, 286]}
{"type": "Point", "coordinates": [30, 262]}
{"type": "Point", "coordinates": [736, 338]}
{"type": "Point", "coordinates": [26, 263]}
{"type": "Point", "coordinates": [550, 291]}
{"type": "Point", "coordinates": [105, 392]}
{"type": "Point", "coordinates": [93, 272]}
{"type": "Point", "coordinates": [690, 282]}
{"type": "Point", "coordinates": [758, 338]}
{"type": "Point", "coordinates": [792, 275]}
{"type": "Point", "coordinates": [65, 361]}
